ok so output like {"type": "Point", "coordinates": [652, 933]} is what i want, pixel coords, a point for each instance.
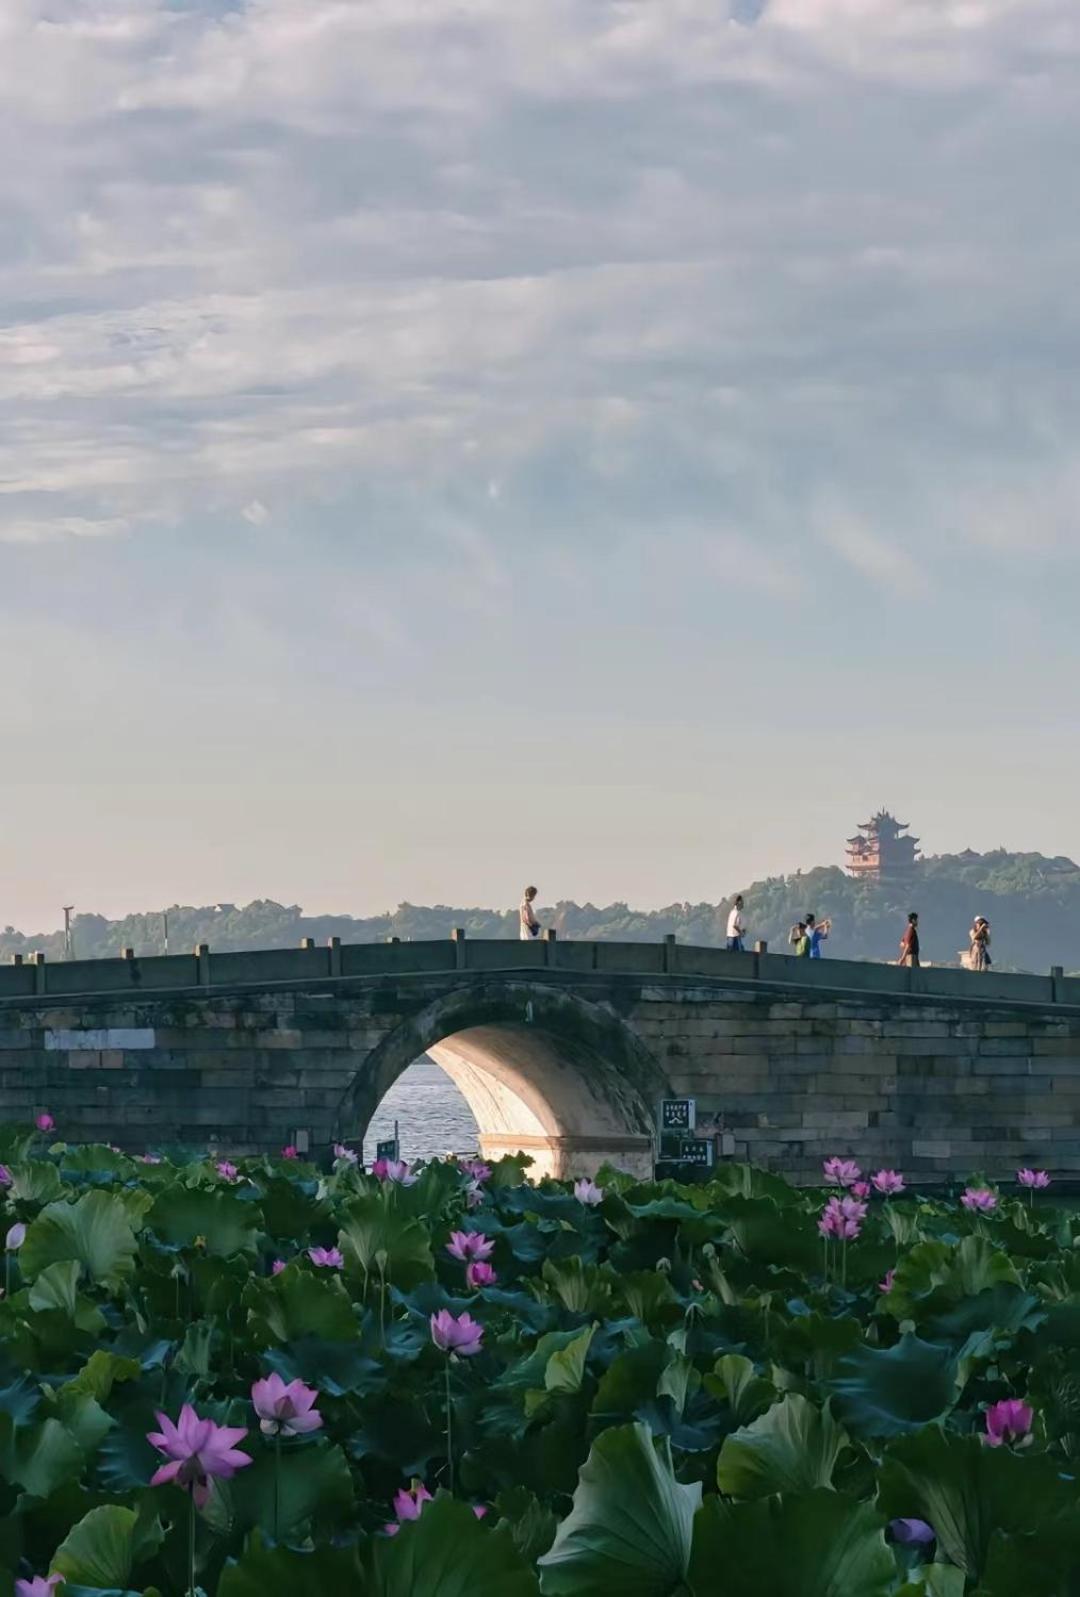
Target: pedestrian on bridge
{"type": "Point", "coordinates": [528, 923]}
{"type": "Point", "coordinates": [736, 927]}
{"type": "Point", "coordinates": [909, 943]}
{"type": "Point", "coordinates": [799, 939]}
{"type": "Point", "coordinates": [817, 931]}
{"type": "Point", "coordinates": [979, 952]}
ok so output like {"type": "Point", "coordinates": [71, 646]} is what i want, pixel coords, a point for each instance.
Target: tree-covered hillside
{"type": "Point", "coordinates": [1032, 903]}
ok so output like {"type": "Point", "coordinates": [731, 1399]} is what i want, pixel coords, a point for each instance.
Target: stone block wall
{"type": "Point", "coordinates": [974, 1078]}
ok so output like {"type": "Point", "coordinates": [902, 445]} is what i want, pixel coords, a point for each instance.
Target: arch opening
{"type": "Point", "coordinates": [542, 1072]}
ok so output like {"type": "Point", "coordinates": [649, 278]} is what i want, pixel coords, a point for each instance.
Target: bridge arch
{"type": "Point", "coordinates": [544, 1071]}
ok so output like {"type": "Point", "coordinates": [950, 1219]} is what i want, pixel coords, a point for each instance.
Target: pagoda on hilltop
{"type": "Point", "coordinates": [881, 850]}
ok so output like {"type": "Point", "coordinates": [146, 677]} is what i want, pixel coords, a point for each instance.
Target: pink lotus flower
{"type": "Point", "coordinates": [326, 1258]}
{"type": "Point", "coordinates": [197, 1449]}
{"type": "Point", "coordinates": [395, 1171]}
{"type": "Point", "coordinates": [912, 1532]}
{"type": "Point", "coordinates": [980, 1199]}
{"type": "Point", "coordinates": [588, 1193]}
{"type": "Point", "coordinates": [227, 1171]}
{"type": "Point", "coordinates": [408, 1504]}
{"type": "Point", "coordinates": [1009, 1421]}
{"type": "Point", "coordinates": [889, 1182]}
{"type": "Point", "coordinates": [290, 1152]}
{"type": "Point", "coordinates": [841, 1172]}
{"type": "Point", "coordinates": [886, 1285]}
{"type": "Point", "coordinates": [474, 1194]}
{"type": "Point", "coordinates": [842, 1217]}
{"type": "Point", "coordinates": [15, 1237]}
{"type": "Point", "coordinates": [45, 1122]}
{"type": "Point", "coordinates": [460, 1335]}
{"type": "Point", "coordinates": [285, 1409]}
{"type": "Point", "coordinates": [348, 1155]}
{"type": "Point", "coordinates": [466, 1245]}
{"type": "Point", "coordinates": [5, 1176]}
{"type": "Point", "coordinates": [40, 1586]}
{"type": "Point", "coordinates": [277, 1267]}
{"type": "Point", "coordinates": [478, 1274]}
{"type": "Point", "coordinates": [860, 1189]}
{"type": "Point", "coordinates": [1033, 1178]}
{"type": "Point", "coordinates": [148, 1158]}
{"type": "Point", "coordinates": [477, 1169]}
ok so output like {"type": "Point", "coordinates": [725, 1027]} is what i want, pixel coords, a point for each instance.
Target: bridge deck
{"type": "Point", "coordinates": [161, 975]}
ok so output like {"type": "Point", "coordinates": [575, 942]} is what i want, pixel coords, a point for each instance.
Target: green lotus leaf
{"type": "Point", "coordinates": [448, 1552]}
{"type": "Point", "coordinates": [735, 1379]}
{"type": "Point", "coordinates": [268, 1571]}
{"type": "Point", "coordinates": [289, 1212]}
{"type": "Point", "coordinates": [34, 1181]}
{"type": "Point", "coordinates": [398, 1429]}
{"type": "Point", "coordinates": [227, 1224]}
{"type": "Point", "coordinates": [300, 1303]}
{"type": "Point", "coordinates": [39, 1457]}
{"type": "Point", "coordinates": [629, 1531]}
{"type": "Point", "coordinates": [532, 1524]}
{"type": "Point", "coordinates": [579, 1287]}
{"type": "Point", "coordinates": [815, 1544]}
{"type": "Point", "coordinates": [630, 1381]}
{"type": "Point", "coordinates": [1002, 1307]}
{"type": "Point", "coordinates": [314, 1484]}
{"type": "Point", "coordinates": [57, 1287]}
{"type": "Point", "coordinates": [793, 1447]}
{"type": "Point", "coordinates": [372, 1231]}
{"type": "Point", "coordinates": [83, 1417]}
{"type": "Point", "coordinates": [105, 1547]}
{"type": "Point", "coordinates": [95, 1231]}
{"type": "Point", "coordinates": [333, 1367]}
{"type": "Point", "coordinates": [887, 1391]}
{"type": "Point", "coordinates": [565, 1369]}
{"type": "Point", "coordinates": [95, 1158]}
{"type": "Point", "coordinates": [966, 1491]}
{"type": "Point", "coordinates": [766, 1234]}
{"type": "Point", "coordinates": [950, 1273]}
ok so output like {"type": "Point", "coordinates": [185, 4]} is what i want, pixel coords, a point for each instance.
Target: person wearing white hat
{"type": "Point", "coordinates": [979, 952]}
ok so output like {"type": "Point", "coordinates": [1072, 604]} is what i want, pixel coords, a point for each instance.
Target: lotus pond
{"type": "Point", "coordinates": [267, 1379]}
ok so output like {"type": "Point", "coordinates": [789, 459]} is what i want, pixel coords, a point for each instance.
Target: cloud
{"type": "Point", "coordinates": [886, 565]}
{"type": "Point", "coordinates": [634, 265]}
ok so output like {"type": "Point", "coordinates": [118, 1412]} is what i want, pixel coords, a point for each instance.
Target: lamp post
{"type": "Point", "coordinates": [69, 946]}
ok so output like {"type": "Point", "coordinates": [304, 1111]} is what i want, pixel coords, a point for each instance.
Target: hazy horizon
{"type": "Point", "coordinates": [314, 909]}
{"type": "Point", "coordinates": [607, 444]}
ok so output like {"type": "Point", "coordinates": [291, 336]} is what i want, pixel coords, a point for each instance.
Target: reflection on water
{"type": "Point", "coordinates": [433, 1118]}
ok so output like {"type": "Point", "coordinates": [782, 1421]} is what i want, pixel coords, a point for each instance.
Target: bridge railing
{"type": "Point", "coordinates": [161, 974]}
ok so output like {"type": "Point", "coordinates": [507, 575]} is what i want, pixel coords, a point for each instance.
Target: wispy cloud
{"type": "Point", "coordinates": [621, 260]}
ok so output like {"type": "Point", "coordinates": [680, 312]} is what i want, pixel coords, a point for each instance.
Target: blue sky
{"type": "Point", "coordinates": [611, 443]}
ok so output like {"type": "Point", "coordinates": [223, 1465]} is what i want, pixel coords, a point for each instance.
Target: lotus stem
{"type": "Point", "coordinates": [191, 1547]}
{"type": "Point", "coordinates": [277, 1487]}
{"type": "Point", "coordinates": [449, 1431]}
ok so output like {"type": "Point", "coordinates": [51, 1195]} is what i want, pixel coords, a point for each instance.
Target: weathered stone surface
{"type": "Point", "coordinates": [562, 1049]}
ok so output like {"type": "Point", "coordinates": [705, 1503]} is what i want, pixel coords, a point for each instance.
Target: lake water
{"type": "Point", "coordinates": [433, 1118]}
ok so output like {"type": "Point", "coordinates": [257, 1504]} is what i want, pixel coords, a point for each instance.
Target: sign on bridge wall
{"type": "Point", "coordinates": [98, 1041]}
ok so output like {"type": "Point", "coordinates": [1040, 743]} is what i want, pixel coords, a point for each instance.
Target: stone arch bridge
{"type": "Point", "coordinates": [561, 1049]}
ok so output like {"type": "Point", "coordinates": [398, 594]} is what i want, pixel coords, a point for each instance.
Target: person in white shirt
{"type": "Point", "coordinates": [736, 928]}
{"type": "Point", "coordinates": [529, 925]}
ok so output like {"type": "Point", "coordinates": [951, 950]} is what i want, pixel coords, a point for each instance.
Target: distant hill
{"type": "Point", "coordinates": [1032, 903]}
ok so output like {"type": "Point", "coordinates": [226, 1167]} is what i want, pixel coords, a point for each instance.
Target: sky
{"type": "Point", "coordinates": [609, 443]}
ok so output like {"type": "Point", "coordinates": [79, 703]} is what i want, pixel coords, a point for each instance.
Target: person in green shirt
{"type": "Point", "coordinates": [800, 941]}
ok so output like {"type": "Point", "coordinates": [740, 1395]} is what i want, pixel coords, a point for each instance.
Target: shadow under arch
{"type": "Point", "coordinates": [543, 1071]}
